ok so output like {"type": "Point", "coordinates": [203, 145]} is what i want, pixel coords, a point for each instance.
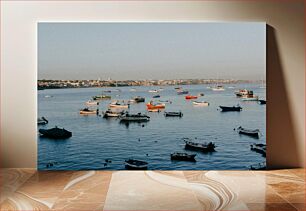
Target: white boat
{"type": "Point", "coordinates": [200, 103]}
{"type": "Point", "coordinates": [218, 88]}
{"type": "Point", "coordinates": [92, 103]}
{"type": "Point", "coordinates": [153, 91]}
{"type": "Point", "coordinates": [117, 104]}
{"type": "Point", "coordinates": [254, 98]}
{"type": "Point", "coordinates": [42, 121]}
{"type": "Point", "coordinates": [132, 90]}
{"type": "Point", "coordinates": [48, 96]}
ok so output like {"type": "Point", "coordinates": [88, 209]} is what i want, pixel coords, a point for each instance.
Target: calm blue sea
{"type": "Point", "coordinates": [95, 139]}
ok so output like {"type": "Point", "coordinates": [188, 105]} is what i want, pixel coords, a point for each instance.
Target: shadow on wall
{"type": "Point", "coordinates": [281, 141]}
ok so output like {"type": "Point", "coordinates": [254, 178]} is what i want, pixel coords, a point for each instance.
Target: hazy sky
{"type": "Point", "coordinates": [151, 50]}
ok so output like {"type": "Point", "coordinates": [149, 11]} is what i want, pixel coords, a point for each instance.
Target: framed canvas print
{"type": "Point", "coordinates": [151, 95]}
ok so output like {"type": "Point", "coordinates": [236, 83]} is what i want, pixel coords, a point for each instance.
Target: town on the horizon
{"type": "Point", "coordinates": [58, 84]}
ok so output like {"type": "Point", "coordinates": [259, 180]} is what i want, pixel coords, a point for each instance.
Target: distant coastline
{"type": "Point", "coordinates": [62, 84]}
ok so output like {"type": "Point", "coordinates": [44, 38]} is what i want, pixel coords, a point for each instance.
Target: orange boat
{"type": "Point", "coordinates": [151, 106]}
{"type": "Point", "coordinates": [189, 97]}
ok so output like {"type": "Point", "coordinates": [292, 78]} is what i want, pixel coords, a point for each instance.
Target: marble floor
{"type": "Point", "coordinates": [28, 189]}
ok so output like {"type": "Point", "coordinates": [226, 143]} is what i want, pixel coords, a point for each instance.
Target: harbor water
{"type": "Point", "coordinates": [95, 139]}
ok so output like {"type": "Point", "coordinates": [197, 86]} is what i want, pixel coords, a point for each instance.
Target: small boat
{"type": "Point", "coordinates": [92, 103]}
{"type": "Point", "coordinates": [165, 101]}
{"type": "Point", "coordinates": [87, 111]}
{"type": "Point", "coordinates": [259, 166]}
{"type": "Point", "coordinates": [107, 91]}
{"type": "Point", "coordinates": [102, 97]}
{"type": "Point", "coordinates": [231, 87]}
{"type": "Point", "coordinates": [156, 106]}
{"type": "Point", "coordinates": [206, 147]}
{"type": "Point", "coordinates": [132, 90]}
{"type": "Point", "coordinates": [133, 164]}
{"type": "Point", "coordinates": [177, 88]}
{"type": "Point", "coordinates": [242, 92]}
{"type": "Point", "coordinates": [160, 89]}
{"type": "Point", "coordinates": [156, 96]}
{"type": "Point", "coordinates": [117, 104]}
{"type": "Point", "coordinates": [200, 103]}
{"type": "Point", "coordinates": [182, 92]}
{"type": "Point", "coordinates": [153, 110]}
{"type": "Point", "coordinates": [249, 96]}
{"type": "Point", "coordinates": [48, 96]}
{"type": "Point", "coordinates": [42, 121]}
{"type": "Point", "coordinates": [153, 91]}
{"type": "Point", "coordinates": [230, 108]}
{"type": "Point", "coordinates": [173, 114]}
{"type": "Point", "coordinates": [259, 148]}
{"type": "Point", "coordinates": [55, 133]}
{"type": "Point", "coordinates": [111, 113]}
{"type": "Point", "coordinates": [190, 97]}
{"type": "Point", "coordinates": [183, 156]}
{"type": "Point", "coordinates": [262, 102]}
{"type": "Point", "coordinates": [201, 94]}
{"type": "Point", "coordinates": [254, 133]}
{"type": "Point", "coordinates": [134, 118]}
{"type": "Point", "coordinates": [218, 88]}
{"type": "Point", "coordinates": [139, 99]}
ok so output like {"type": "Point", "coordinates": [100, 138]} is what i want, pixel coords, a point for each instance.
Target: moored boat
{"type": "Point", "coordinates": [150, 105]}
{"type": "Point", "coordinates": [259, 166]}
{"type": "Point", "coordinates": [200, 103]}
{"type": "Point", "coordinates": [117, 104]}
{"type": "Point", "coordinates": [205, 147]}
{"type": "Point", "coordinates": [262, 102]}
{"type": "Point", "coordinates": [88, 111]}
{"type": "Point", "coordinates": [55, 133]}
{"type": "Point", "coordinates": [133, 164]}
{"type": "Point", "coordinates": [173, 114]}
{"type": "Point", "coordinates": [92, 103]}
{"type": "Point", "coordinates": [153, 91]}
{"type": "Point", "coordinates": [182, 92]}
{"type": "Point", "coordinates": [134, 118]}
{"type": "Point", "coordinates": [42, 121]}
{"type": "Point", "coordinates": [249, 96]}
{"type": "Point", "coordinates": [259, 148]}
{"type": "Point", "coordinates": [183, 156]}
{"type": "Point", "coordinates": [111, 113]}
{"type": "Point", "coordinates": [218, 88]}
{"type": "Point", "coordinates": [190, 97]}
{"type": "Point", "coordinates": [230, 108]}
{"type": "Point", "coordinates": [254, 133]}
{"type": "Point", "coordinates": [139, 99]}
{"type": "Point", "coordinates": [102, 97]}
{"type": "Point", "coordinates": [156, 96]}
{"type": "Point", "coordinates": [241, 92]}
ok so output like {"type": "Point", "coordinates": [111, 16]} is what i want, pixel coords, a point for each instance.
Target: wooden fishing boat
{"type": "Point", "coordinates": [87, 111]}
{"type": "Point", "coordinates": [190, 97]}
{"type": "Point", "coordinates": [205, 147]}
{"type": "Point", "coordinates": [150, 105]}
{"type": "Point", "coordinates": [173, 114]}
{"type": "Point", "coordinates": [249, 96]}
{"type": "Point", "coordinates": [134, 118]}
{"type": "Point", "coordinates": [262, 102]}
{"type": "Point", "coordinates": [183, 156]}
{"type": "Point", "coordinates": [259, 148]}
{"type": "Point", "coordinates": [200, 103]}
{"type": "Point", "coordinates": [42, 121]}
{"type": "Point", "coordinates": [230, 108]}
{"type": "Point", "coordinates": [242, 92]}
{"type": "Point", "coordinates": [117, 104]}
{"type": "Point", "coordinates": [254, 133]}
{"type": "Point", "coordinates": [132, 164]}
{"type": "Point", "coordinates": [55, 133]}
{"type": "Point", "coordinates": [111, 113]}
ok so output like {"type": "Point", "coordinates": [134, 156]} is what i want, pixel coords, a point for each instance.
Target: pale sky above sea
{"type": "Point", "coordinates": [133, 51]}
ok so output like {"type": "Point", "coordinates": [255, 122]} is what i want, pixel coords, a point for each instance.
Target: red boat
{"type": "Point", "coordinates": [190, 97]}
